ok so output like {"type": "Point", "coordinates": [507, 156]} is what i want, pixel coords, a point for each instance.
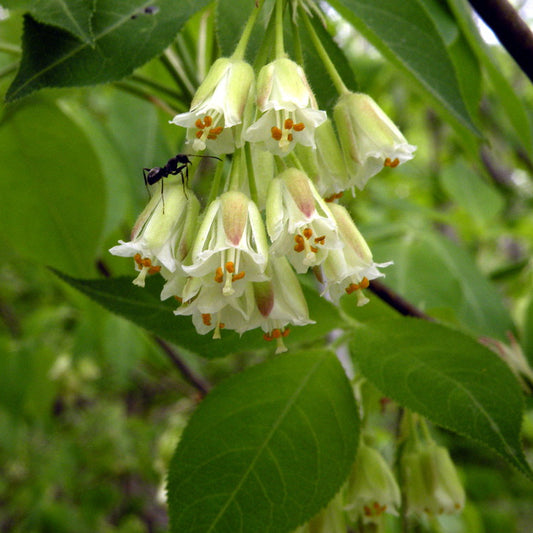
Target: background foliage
{"type": "Point", "coordinates": [92, 404]}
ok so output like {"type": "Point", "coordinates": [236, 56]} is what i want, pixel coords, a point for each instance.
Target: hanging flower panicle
{"type": "Point", "coordinates": [218, 264]}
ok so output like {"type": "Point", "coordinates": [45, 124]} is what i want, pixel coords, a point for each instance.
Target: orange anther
{"type": "Point", "coordinates": [238, 276]}
{"type": "Point", "coordinates": [299, 247]}
{"type": "Point", "coordinates": [222, 325]}
{"type": "Point", "coordinates": [367, 510]}
{"type": "Point", "coordinates": [351, 288]}
{"type": "Point", "coordinates": [276, 333]}
{"type": "Point", "coordinates": [392, 163]}
{"type": "Point", "coordinates": [314, 249]}
{"type": "Point", "coordinates": [178, 298]}
{"type": "Point", "coordinates": [230, 267]}
{"type": "Point", "coordinates": [286, 332]}
{"type": "Point", "coordinates": [138, 259]}
{"type": "Point", "coordinates": [288, 124]}
{"type": "Point", "coordinates": [198, 134]}
{"type": "Point", "coordinates": [307, 233]}
{"type": "Point", "coordinates": [146, 262]}
{"type": "Point", "coordinates": [276, 133]}
{"type": "Point", "coordinates": [199, 124]}
{"type": "Point", "coordinates": [364, 283]}
{"type": "Point", "coordinates": [208, 121]}
{"type": "Point", "coordinates": [217, 130]}
{"type": "Point", "coordinates": [154, 269]}
{"type": "Point", "coordinates": [298, 239]}
{"type": "Point", "coordinates": [206, 319]}
{"type": "Point", "coordinates": [267, 337]}
{"type": "Point", "coordinates": [290, 137]}
{"type": "Point", "coordinates": [320, 240]}
{"type": "Point", "coordinates": [219, 275]}
{"type": "Point", "coordinates": [298, 127]}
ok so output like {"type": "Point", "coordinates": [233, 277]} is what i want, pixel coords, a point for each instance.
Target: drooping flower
{"type": "Point", "coordinates": [230, 252]}
{"type": "Point", "coordinates": [349, 269]}
{"type": "Point", "coordinates": [289, 110]}
{"type": "Point", "coordinates": [371, 489]}
{"type": "Point", "coordinates": [299, 222]}
{"type": "Point", "coordinates": [217, 109]}
{"type": "Point", "coordinates": [369, 139]}
{"type": "Point", "coordinates": [162, 235]}
{"type": "Point", "coordinates": [279, 302]}
{"type": "Point", "coordinates": [325, 164]}
{"type": "Point", "coordinates": [431, 481]}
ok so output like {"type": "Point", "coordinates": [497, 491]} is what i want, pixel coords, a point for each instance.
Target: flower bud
{"type": "Point", "coordinates": [369, 139]}
{"type": "Point", "coordinates": [432, 484]}
{"type": "Point", "coordinates": [372, 489]}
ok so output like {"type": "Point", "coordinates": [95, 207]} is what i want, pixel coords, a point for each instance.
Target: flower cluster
{"type": "Point", "coordinates": [232, 265]}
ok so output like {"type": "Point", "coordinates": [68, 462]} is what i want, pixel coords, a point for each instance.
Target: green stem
{"type": "Point", "coordinates": [175, 68]}
{"type": "Point", "coordinates": [425, 431]}
{"type": "Point", "coordinates": [236, 171]}
{"type": "Point", "coordinates": [139, 78]}
{"type": "Point", "coordinates": [266, 45]}
{"type": "Point", "coordinates": [250, 172]}
{"type": "Point", "coordinates": [294, 161]}
{"type": "Point", "coordinates": [280, 47]}
{"type": "Point", "coordinates": [240, 49]}
{"type": "Point", "coordinates": [297, 42]}
{"type": "Point", "coordinates": [215, 185]}
{"type": "Point", "coordinates": [137, 91]}
{"type": "Point", "coordinates": [328, 64]}
{"type": "Point", "coordinates": [9, 48]}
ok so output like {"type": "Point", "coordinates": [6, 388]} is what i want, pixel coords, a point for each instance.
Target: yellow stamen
{"type": "Point", "coordinates": [238, 276]}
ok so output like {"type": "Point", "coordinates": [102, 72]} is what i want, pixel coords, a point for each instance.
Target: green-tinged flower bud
{"type": "Point", "coordinates": [299, 222]}
{"type": "Point", "coordinates": [325, 164]}
{"type": "Point", "coordinates": [350, 268]}
{"type": "Point", "coordinates": [372, 489]}
{"type": "Point", "coordinates": [432, 484]}
{"type": "Point", "coordinates": [217, 109]}
{"type": "Point", "coordinates": [161, 236]}
{"type": "Point", "coordinates": [279, 302]}
{"type": "Point", "coordinates": [369, 139]}
{"type": "Point", "coordinates": [289, 108]}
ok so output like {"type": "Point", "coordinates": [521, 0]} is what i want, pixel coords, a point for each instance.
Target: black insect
{"type": "Point", "coordinates": [150, 10]}
{"type": "Point", "coordinates": [179, 164]}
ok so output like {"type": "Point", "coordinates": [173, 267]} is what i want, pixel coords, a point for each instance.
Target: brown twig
{"type": "Point", "coordinates": [197, 382]}
{"type": "Point", "coordinates": [396, 301]}
{"type": "Point", "coordinates": [512, 32]}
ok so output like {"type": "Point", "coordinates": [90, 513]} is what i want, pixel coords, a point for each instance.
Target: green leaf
{"type": "Point", "coordinates": [54, 58]}
{"type": "Point", "coordinates": [53, 197]}
{"type": "Point", "coordinates": [73, 16]}
{"type": "Point", "coordinates": [406, 34]}
{"type": "Point", "coordinates": [267, 449]}
{"type": "Point", "coordinates": [508, 98]}
{"type": "Point", "coordinates": [448, 378]}
{"type": "Point", "coordinates": [145, 308]}
{"type": "Point", "coordinates": [442, 280]}
{"type": "Point", "coordinates": [467, 189]}
{"type": "Point", "coordinates": [466, 66]}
